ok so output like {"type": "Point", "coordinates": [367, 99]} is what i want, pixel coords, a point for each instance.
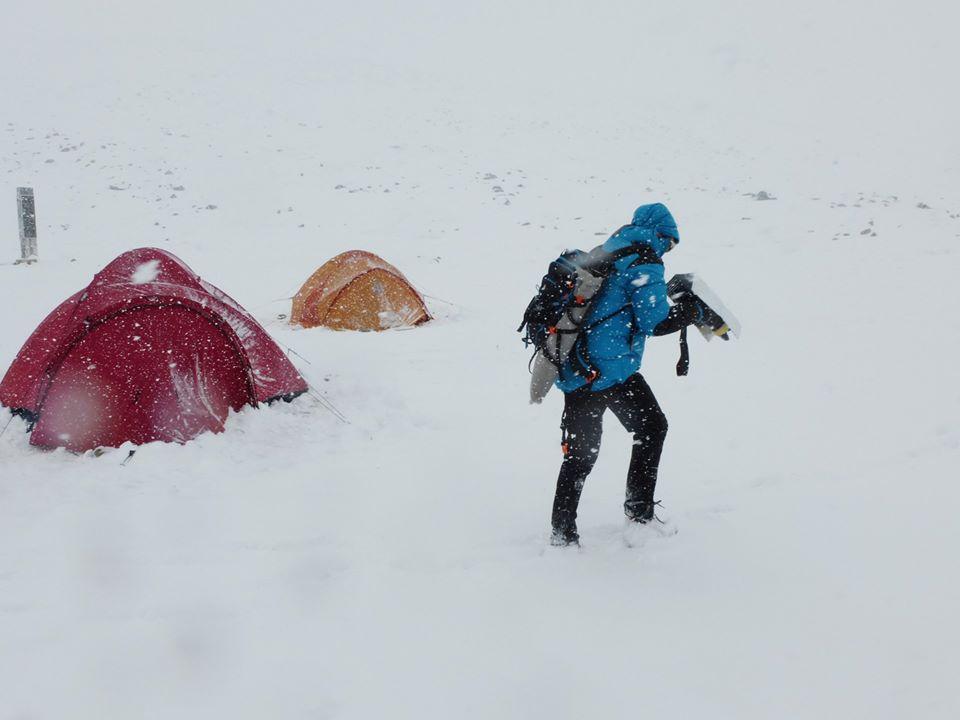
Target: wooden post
{"type": "Point", "coordinates": [27, 216]}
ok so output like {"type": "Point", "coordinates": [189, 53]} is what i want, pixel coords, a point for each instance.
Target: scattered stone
{"type": "Point", "coordinates": [923, 206]}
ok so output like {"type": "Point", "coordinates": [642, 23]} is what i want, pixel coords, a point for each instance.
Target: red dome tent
{"type": "Point", "coordinates": [148, 351]}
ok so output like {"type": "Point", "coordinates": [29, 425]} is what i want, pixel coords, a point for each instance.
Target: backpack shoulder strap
{"type": "Point", "coordinates": [646, 255]}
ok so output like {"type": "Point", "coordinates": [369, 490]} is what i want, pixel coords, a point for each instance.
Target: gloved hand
{"type": "Point", "coordinates": [688, 309]}
{"type": "Point", "coordinates": [707, 318]}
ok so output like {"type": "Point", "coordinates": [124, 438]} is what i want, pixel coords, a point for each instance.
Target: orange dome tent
{"type": "Point", "coordinates": [357, 290]}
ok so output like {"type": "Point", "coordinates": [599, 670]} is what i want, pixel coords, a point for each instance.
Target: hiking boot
{"type": "Point", "coordinates": [562, 537]}
{"type": "Point", "coordinates": [640, 511]}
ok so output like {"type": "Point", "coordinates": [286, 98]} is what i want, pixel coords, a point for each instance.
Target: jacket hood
{"type": "Point", "coordinates": [657, 220]}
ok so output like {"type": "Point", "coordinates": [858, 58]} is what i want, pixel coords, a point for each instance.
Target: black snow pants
{"type": "Point", "coordinates": [637, 409]}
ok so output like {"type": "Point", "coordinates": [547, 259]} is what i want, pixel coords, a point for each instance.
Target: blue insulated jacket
{"type": "Point", "coordinates": [615, 346]}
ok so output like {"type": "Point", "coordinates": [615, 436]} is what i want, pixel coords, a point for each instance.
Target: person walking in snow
{"type": "Point", "coordinates": [631, 305]}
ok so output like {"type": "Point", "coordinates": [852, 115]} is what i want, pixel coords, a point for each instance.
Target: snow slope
{"type": "Point", "coordinates": [298, 566]}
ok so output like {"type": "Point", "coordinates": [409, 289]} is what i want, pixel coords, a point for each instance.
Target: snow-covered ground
{"type": "Point", "coordinates": [297, 566]}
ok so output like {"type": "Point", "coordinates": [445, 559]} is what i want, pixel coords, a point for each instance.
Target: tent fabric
{"type": "Point", "coordinates": [358, 290]}
{"type": "Point", "coordinates": [147, 351]}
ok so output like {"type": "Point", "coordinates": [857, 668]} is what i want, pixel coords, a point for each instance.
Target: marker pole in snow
{"type": "Point", "coordinates": [27, 217]}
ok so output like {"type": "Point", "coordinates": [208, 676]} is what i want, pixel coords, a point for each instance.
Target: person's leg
{"type": "Point", "coordinates": [637, 409]}
{"type": "Point", "coordinates": [582, 426]}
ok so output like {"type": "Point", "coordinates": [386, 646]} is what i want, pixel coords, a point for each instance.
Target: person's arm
{"type": "Point", "coordinates": [648, 297]}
